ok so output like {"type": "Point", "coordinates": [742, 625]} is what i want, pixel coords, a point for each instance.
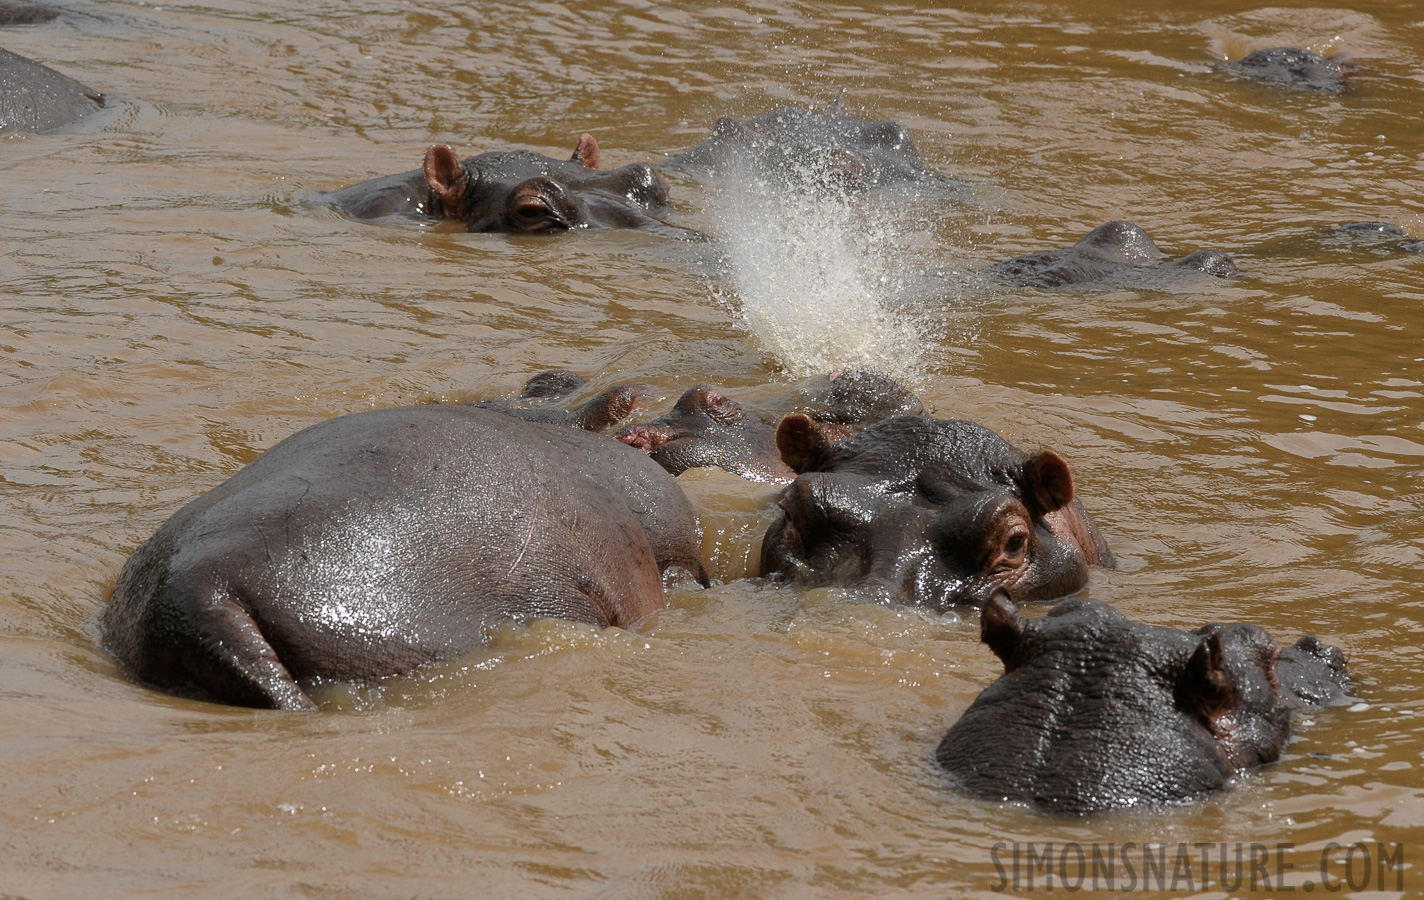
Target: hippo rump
{"type": "Point", "coordinates": [1097, 712]}
{"type": "Point", "coordinates": [1292, 68]}
{"type": "Point", "coordinates": [372, 543]}
{"type": "Point", "coordinates": [37, 99]}
{"type": "Point", "coordinates": [928, 512]}
{"type": "Point", "coordinates": [799, 147]}
{"type": "Point", "coordinates": [706, 428]}
{"type": "Point", "coordinates": [515, 190]}
{"type": "Point", "coordinates": [1115, 254]}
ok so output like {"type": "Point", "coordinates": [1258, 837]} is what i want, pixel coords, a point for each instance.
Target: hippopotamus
{"type": "Point", "coordinates": [603, 411]}
{"type": "Point", "coordinates": [515, 190]}
{"type": "Point", "coordinates": [928, 512]}
{"type": "Point", "coordinates": [1115, 254]}
{"type": "Point", "coordinates": [37, 99]}
{"type": "Point", "coordinates": [1294, 68]}
{"type": "Point", "coordinates": [706, 428]}
{"type": "Point", "coordinates": [372, 543]}
{"type": "Point", "coordinates": [797, 147]}
{"type": "Point", "coordinates": [1097, 712]}
{"type": "Point", "coordinates": [20, 12]}
{"type": "Point", "coordinates": [1380, 237]}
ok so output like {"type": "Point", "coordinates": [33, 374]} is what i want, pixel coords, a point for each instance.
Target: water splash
{"type": "Point", "coordinates": [815, 270]}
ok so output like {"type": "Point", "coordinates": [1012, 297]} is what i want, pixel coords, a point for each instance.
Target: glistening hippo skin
{"type": "Point", "coordinates": [929, 512]}
{"type": "Point", "coordinates": [372, 543]}
{"type": "Point", "coordinates": [709, 429]}
{"type": "Point", "coordinates": [515, 191]}
{"type": "Point", "coordinates": [37, 99]}
{"type": "Point", "coordinates": [1291, 67]}
{"type": "Point", "coordinates": [1115, 254]}
{"type": "Point", "coordinates": [1096, 712]}
{"type": "Point", "coordinates": [604, 411]}
{"type": "Point", "coordinates": [803, 148]}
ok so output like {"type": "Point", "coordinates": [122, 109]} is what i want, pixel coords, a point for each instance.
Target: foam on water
{"type": "Point", "coordinates": [815, 271]}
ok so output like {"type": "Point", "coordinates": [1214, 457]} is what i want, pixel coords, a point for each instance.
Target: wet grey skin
{"type": "Point", "coordinates": [706, 428]}
{"type": "Point", "coordinates": [373, 543]}
{"type": "Point", "coordinates": [1115, 254]}
{"type": "Point", "coordinates": [795, 147]}
{"type": "Point", "coordinates": [1095, 712]}
{"type": "Point", "coordinates": [1292, 68]}
{"type": "Point", "coordinates": [35, 98]}
{"type": "Point", "coordinates": [928, 512]}
{"type": "Point", "coordinates": [516, 191]}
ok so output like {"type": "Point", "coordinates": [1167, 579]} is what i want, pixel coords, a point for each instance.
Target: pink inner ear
{"type": "Point", "coordinates": [1048, 484]}
{"type": "Point", "coordinates": [802, 441]}
{"type": "Point", "coordinates": [443, 172]}
{"type": "Point", "coordinates": [587, 151]}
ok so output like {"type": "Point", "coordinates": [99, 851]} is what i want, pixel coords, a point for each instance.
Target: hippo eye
{"type": "Point", "coordinates": [1015, 545]}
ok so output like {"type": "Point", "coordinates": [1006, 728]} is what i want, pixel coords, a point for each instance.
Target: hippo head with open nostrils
{"type": "Point", "coordinates": [929, 512]}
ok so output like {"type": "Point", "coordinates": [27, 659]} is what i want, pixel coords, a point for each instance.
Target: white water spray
{"type": "Point", "coordinates": [815, 269]}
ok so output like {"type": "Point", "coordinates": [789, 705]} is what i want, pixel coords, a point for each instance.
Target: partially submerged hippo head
{"type": "Point", "coordinates": [516, 190]}
{"type": "Point", "coordinates": [708, 428]}
{"type": "Point", "coordinates": [603, 411]}
{"type": "Point", "coordinates": [798, 147]}
{"type": "Point", "coordinates": [929, 512]}
{"type": "Point", "coordinates": [1097, 712]}
{"type": "Point", "coordinates": [1115, 254]}
{"type": "Point", "coordinates": [1292, 67]}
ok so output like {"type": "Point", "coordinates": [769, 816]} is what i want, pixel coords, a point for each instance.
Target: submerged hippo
{"type": "Point", "coordinates": [515, 191]}
{"type": "Point", "coordinates": [603, 411]}
{"type": "Point", "coordinates": [1115, 254]}
{"type": "Point", "coordinates": [800, 147]}
{"type": "Point", "coordinates": [929, 512]}
{"type": "Point", "coordinates": [372, 543]}
{"type": "Point", "coordinates": [1294, 68]}
{"type": "Point", "coordinates": [1097, 712]}
{"type": "Point", "coordinates": [706, 428]}
{"type": "Point", "coordinates": [21, 12]}
{"type": "Point", "coordinates": [37, 99]}
{"type": "Point", "coordinates": [1379, 237]}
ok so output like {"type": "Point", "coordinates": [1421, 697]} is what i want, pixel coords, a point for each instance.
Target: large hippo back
{"type": "Point", "coordinates": [371, 543]}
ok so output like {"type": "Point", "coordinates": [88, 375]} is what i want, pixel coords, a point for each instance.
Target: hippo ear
{"type": "Point", "coordinates": [1002, 628]}
{"type": "Point", "coordinates": [803, 442]}
{"type": "Point", "coordinates": [1206, 686]}
{"type": "Point", "coordinates": [587, 151]}
{"type": "Point", "coordinates": [1047, 483]}
{"type": "Point", "coordinates": [447, 177]}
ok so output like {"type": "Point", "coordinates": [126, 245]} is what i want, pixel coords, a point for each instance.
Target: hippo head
{"type": "Point", "coordinates": [928, 512]}
{"type": "Point", "coordinates": [524, 191]}
{"type": "Point", "coordinates": [708, 428]}
{"type": "Point", "coordinates": [1097, 712]}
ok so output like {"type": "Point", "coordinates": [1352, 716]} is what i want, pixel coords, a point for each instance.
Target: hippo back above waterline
{"type": "Point", "coordinates": [372, 543]}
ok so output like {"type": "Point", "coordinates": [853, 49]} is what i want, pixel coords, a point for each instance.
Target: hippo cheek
{"type": "Point", "coordinates": [823, 530]}
{"type": "Point", "coordinates": [541, 205]}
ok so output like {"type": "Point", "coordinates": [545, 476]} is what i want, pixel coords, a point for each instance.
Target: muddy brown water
{"type": "Point", "coordinates": [173, 304]}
